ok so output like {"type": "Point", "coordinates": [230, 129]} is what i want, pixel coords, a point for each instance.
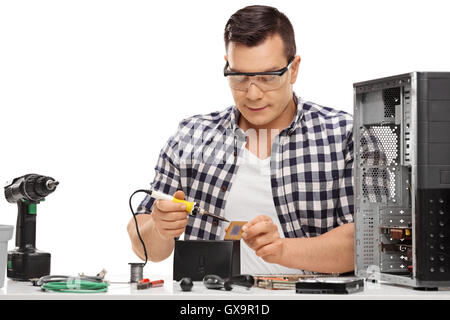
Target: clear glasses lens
{"type": "Point", "coordinates": [263, 82]}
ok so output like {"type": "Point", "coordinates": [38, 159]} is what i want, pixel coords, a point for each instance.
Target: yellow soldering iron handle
{"type": "Point", "coordinates": [189, 205]}
{"type": "Point", "coordinates": [162, 196]}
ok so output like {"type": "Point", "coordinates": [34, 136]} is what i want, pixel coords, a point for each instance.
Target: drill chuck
{"type": "Point", "coordinates": [30, 187]}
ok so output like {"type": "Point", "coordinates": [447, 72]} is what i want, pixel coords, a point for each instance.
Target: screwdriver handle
{"type": "Point", "coordinates": [162, 196]}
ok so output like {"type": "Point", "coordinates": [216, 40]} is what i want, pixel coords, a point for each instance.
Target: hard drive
{"type": "Point", "coordinates": [330, 285]}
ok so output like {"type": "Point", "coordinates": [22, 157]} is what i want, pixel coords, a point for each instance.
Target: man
{"type": "Point", "coordinates": [274, 160]}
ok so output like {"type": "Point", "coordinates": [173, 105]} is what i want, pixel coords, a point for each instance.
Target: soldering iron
{"type": "Point", "coordinates": [192, 208]}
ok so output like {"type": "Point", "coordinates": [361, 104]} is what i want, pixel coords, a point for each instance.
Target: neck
{"type": "Point", "coordinates": [260, 137]}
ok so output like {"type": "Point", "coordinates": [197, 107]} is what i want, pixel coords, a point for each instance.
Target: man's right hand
{"type": "Point", "coordinates": [170, 218]}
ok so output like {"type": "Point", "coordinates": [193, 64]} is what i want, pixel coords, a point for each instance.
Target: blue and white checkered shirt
{"type": "Point", "coordinates": [311, 169]}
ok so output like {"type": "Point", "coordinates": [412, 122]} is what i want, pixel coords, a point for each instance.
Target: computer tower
{"type": "Point", "coordinates": [402, 179]}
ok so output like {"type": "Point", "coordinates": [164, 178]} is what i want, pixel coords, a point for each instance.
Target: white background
{"type": "Point", "coordinates": [91, 90]}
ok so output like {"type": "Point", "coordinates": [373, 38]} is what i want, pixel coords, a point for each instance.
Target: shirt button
{"type": "Point", "coordinates": [223, 188]}
{"type": "Point", "coordinates": [215, 223]}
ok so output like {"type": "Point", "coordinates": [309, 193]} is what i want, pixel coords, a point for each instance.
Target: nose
{"type": "Point", "coordinates": [253, 92]}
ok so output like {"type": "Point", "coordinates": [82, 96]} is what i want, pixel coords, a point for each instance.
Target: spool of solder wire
{"type": "Point", "coordinates": [136, 272]}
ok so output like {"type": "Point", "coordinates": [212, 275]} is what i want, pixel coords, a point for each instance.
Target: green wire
{"type": "Point", "coordinates": [77, 286]}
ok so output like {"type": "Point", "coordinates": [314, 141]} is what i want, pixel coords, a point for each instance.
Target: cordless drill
{"type": "Point", "coordinates": [25, 261]}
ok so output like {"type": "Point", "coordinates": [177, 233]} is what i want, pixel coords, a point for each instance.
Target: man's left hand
{"type": "Point", "coordinates": [261, 234]}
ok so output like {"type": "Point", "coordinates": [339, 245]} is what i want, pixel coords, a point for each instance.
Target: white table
{"type": "Point", "coordinates": [171, 290]}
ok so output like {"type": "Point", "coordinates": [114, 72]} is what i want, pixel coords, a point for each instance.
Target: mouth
{"type": "Point", "coordinates": [256, 109]}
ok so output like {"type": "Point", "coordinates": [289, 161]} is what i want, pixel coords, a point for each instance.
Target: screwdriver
{"type": "Point", "coordinates": [191, 207]}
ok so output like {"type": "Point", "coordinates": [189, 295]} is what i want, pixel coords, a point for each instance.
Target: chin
{"type": "Point", "coordinates": [257, 119]}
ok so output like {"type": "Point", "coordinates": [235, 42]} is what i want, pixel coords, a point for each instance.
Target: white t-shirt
{"type": "Point", "coordinates": [250, 196]}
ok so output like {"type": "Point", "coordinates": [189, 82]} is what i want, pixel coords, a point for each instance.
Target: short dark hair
{"type": "Point", "coordinates": [252, 25]}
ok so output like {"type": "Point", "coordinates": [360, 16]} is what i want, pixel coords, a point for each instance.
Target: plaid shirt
{"type": "Point", "coordinates": [311, 169]}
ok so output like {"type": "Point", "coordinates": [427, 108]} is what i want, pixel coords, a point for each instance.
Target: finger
{"type": "Point", "coordinates": [271, 249]}
{"type": "Point", "coordinates": [179, 195]}
{"type": "Point", "coordinates": [173, 225]}
{"type": "Point", "coordinates": [259, 242]}
{"type": "Point", "coordinates": [169, 206]}
{"type": "Point", "coordinates": [261, 227]}
{"type": "Point", "coordinates": [171, 216]}
{"type": "Point", "coordinates": [254, 221]}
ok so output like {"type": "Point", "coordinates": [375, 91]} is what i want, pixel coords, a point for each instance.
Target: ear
{"type": "Point", "coordinates": [294, 68]}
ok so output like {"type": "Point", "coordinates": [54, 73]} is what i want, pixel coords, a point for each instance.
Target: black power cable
{"type": "Point", "coordinates": [148, 192]}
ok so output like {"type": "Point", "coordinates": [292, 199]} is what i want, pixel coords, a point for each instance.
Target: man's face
{"type": "Point", "coordinates": [259, 108]}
